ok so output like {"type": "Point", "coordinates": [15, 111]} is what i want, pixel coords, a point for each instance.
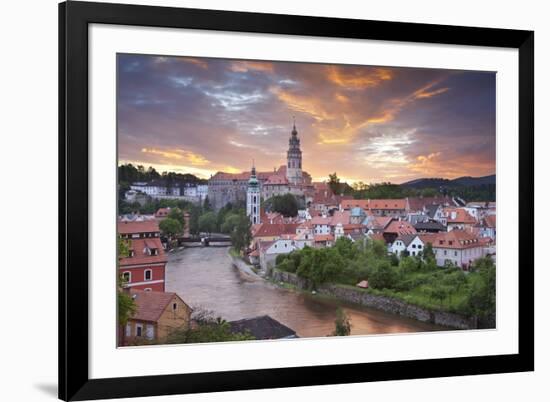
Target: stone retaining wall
{"type": "Point", "coordinates": [379, 302]}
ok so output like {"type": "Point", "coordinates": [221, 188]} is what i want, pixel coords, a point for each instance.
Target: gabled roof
{"type": "Point", "coordinates": [134, 227]}
{"type": "Point", "coordinates": [262, 327]}
{"type": "Point", "coordinates": [432, 209]}
{"type": "Point", "coordinates": [276, 229]}
{"type": "Point", "coordinates": [151, 305]}
{"type": "Point", "coordinates": [321, 220]}
{"type": "Point", "coordinates": [406, 238]}
{"type": "Point", "coordinates": [140, 246]}
{"type": "Point", "coordinates": [460, 216]}
{"type": "Point", "coordinates": [400, 227]}
{"type": "Point", "coordinates": [456, 239]}
{"type": "Point", "coordinates": [323, 237]}
{"type": "Point", "coordinates": [342, 217]}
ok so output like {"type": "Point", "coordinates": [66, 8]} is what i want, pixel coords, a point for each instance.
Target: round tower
{"type": "Point", "coordinates": [253, 198]}
{"type": "Point", "coordinates": [294, 158]}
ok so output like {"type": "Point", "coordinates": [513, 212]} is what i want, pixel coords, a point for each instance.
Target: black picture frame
{"type": "Point", "coordinates": [74, 18]}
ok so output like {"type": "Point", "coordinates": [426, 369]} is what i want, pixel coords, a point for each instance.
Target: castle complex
{"type": "Point", "coordinates": [224, 188]}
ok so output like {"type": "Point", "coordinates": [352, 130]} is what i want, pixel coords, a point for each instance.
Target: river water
{"type": "Point", "coordinates": [206, 278]}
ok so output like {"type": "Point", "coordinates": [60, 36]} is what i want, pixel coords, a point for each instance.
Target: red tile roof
{"type": "Point", "coordinates": [162, 212]}
{"type": "Point", "coordinates": [388, 204]}
{"type": "Point", "coordinates": [321, 220]}
{"type": "Point", "coordinates": [139, 246]}
{"type": "Point", "coordinates": [400, 227]}
{"type": "Point", "coordinates": [350, 203]}
{"type": "Point", "coordinates": [461, 216]}
{"type": "Point", "coordinates": [323, 237]}
{"type": "Point", "coordinates": [456, 239]}
{"type": "Point", "coordinates": [149, 226]}
{"type": "Point", "coordinates": [342, 217]}
{"type": "Point", "coordinates": [151, 305]}
{"type": "Point", "coordinates": [277, 229]}
{"type": "Point", "coordinates": [276, 179]}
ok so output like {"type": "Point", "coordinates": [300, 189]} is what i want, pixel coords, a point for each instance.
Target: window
{"type": "Point", "coordinates": [174, 306]}
{"type": "Point", "coordinates": [148, 274]}
{"type": "Point", "coordinates": [128, 329]}
{"type": "Point", "coordinates": [444, 252]}
{"type": "Point", "coordinates": [456, 253]}
{"type": "Point", "coordinates": [149, 331]}
{"type": "Point", "coordinates": [139, 330]}
{"type": "Point", "coordinates": [127, 276]}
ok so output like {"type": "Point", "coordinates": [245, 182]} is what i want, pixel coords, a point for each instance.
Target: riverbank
{"type": "Point", "coordinates": [387, 304]}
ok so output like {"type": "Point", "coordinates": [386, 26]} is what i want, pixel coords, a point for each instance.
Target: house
{"type": "Point", "coordinates": [268, 232]}
{"type": "Point", "coordinates": [389, 207]}
{"type": "Point", "coordinates": [144, 265]}
{"type": "Point", "coordinates": [420, 204]}
{"type": "Point", "coordinates": [156, 315]}
{"type": "Point", "coordinates": [262, 327]}
{"type": "Point", "coordinates": [458, 247]}
{"type": "Point", "coordinates": [357, 215]}
{"type": "Point", "coordinates": [275, 184]}
{"type": "Point", "coordinates": [458, 218]}
{"type": "Point", "coordinates": [412, 244]}
{"type": "Point", "coordinates": [323, 240]}
{"type": "Point", "coordinates": [396, 228]}
{"type": "Point", "coordinates": [304, 235]}
{"type": "Point", "coordinates": [435, 213]}
{"type": "Point", "coordinates": [321, 225]}
{"type": "Point", "coordinates": [269, 250]}
{"type": "Point", "coordinates": [487, 227]}
{"type": "Point", "coordinates": [348, 204]}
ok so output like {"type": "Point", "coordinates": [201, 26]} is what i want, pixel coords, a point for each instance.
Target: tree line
{"type": "Point", "coordinates": [416, 280]}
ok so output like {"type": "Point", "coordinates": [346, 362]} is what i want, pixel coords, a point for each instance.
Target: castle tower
{"type": "Point", "coordinates": [294, 158]}
{"type": "Point", "coordinates": [253, 198]}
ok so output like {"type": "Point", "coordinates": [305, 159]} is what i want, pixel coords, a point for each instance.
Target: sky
{"type": "Point", "coordinates": [366, 123]}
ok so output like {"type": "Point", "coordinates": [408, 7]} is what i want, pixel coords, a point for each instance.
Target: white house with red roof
{"type": "Point", "coordinates": [458, 218]}
{"type": "Point", "coordinates": [144, 266]}
{"type": "Point", "coordinates": [458, 247]}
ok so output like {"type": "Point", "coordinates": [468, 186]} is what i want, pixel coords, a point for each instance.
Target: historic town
{"type": "Point", "coordinates": [274, 254]}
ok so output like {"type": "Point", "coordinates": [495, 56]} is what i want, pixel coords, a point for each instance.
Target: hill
{"type": "Point", "coordinates": [466, 181]}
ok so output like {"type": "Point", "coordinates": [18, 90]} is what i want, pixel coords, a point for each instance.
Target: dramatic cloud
{"type": "Point", "coordinates": [370, 124]}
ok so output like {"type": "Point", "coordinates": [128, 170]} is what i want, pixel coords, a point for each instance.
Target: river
{"type": "Point", "coordinates": [206, 278]}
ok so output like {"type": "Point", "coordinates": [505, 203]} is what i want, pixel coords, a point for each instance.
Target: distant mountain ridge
{"type": "Point", "coordinates": [465, 181]}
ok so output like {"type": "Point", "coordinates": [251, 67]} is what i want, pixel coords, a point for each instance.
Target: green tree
{"type": "Point", "coordinates": [383, 276]}
{"type": "Point", "coordinates": [231, 221]}
{"type": "Point", "coordinates": [207, 222]}
{"type": "Point", "coordinates": [178, 215]}
{"type": "Point", "coordinates": [286, 204]}
{"type": "Point", "coordinates": [126, 306]}
{"type": "Point", "coordinates": [207, 329]}
{"type": "Point", "coordinates": [170, 227]}
{"type": "Point", "coordinates": [241, 237]}
{"type": "Point", "coordinates": [342, 323]}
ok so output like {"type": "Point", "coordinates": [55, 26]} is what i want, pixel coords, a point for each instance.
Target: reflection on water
{"type": "Point", "coordinates": [205, 277]}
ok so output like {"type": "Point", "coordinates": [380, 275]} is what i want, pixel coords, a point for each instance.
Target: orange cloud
{"type": "Point", "coordinates": [305, 104]}
{"type": "Point", "coordinates": [341, 98]}
{"type": "Point", "coordinates": [179, 154]}
{"type": "Point", "coordinates": [357, 79]}
{"type": "Point", "coordinates": [436, 164]}
{"type": "Point", "coordinates": [198, 62]}
{"type": "Point", "coordinates": [245, 66]}
{"type": "Point", "coordinates": [420, 94]}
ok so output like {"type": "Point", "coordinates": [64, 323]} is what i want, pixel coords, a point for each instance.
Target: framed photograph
{"type": "Point", "coordinates": [258, 201]}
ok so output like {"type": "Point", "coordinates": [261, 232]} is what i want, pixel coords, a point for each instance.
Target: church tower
{"type": "Point", "coordinates": [294, 158]}
{"type": "Point", "coordinates": [253, 198]}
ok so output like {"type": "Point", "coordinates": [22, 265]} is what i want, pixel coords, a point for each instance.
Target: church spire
{"type": "Point", "coordinates": [294, 132]}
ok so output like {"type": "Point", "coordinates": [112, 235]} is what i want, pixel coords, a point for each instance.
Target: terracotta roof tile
{"type": "Point", "coordinates": [150, 305]}
{"type": "Point", "coordinates": [149, 226]}
{"type": "Point", "coordinates": [141, 256]}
